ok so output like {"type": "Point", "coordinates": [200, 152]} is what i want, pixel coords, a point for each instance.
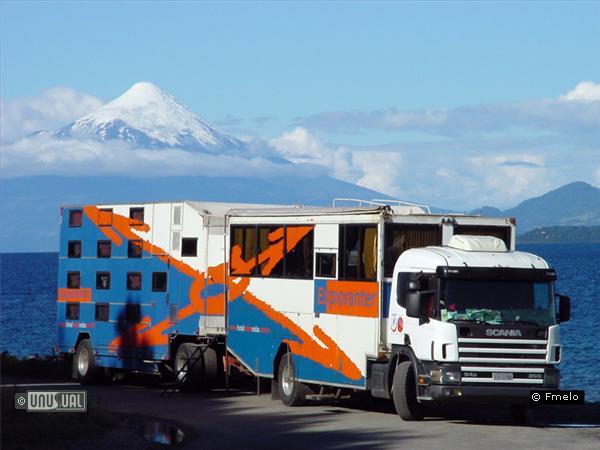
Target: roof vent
{"type": "Point", "coordinates": [477, 243]}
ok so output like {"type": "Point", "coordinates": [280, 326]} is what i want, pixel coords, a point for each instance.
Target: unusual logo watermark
{"type": "Point", "coordinates": [52, 401]}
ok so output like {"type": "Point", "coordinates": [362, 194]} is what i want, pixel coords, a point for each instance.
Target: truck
{"type": "Point", "coordinates": [376, 296]}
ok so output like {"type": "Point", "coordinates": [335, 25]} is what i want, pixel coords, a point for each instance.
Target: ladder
{"type": "Point", "coordinates": [182, 373]}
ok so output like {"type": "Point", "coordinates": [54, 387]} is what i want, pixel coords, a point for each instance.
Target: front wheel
{"type": "Point", "coordinates": [291, 391]}
{"type": "Point", "coordinates": [404, 393]}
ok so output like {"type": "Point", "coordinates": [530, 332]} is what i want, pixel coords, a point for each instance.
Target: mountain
{"type": "Point", "coordinates": [561, 234]}
{"type": "Point", "coordinates": [148, 117]}
{"type": "Point", "coordinates": [488, 211]}
{"type": "Point", "coordinates": [574, 204]}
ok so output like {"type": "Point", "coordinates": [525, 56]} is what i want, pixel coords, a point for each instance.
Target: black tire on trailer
{"type": "Point", "coordinates": [404, 393]}
{"type": "Point", "coordinates": [291, 391]}
{"type": "Point", "coordinates": [210, 368]}
{"type": "Point", "coordinates": [188, 371]}
{"type": "Point", "coordinates": [84, 363]}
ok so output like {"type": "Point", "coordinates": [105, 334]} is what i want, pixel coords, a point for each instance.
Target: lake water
{"type": "Point", "coordinates": [28, 308]}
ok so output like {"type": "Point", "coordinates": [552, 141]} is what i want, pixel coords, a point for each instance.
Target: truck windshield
{"type": "Point", "coordinates": [498, 302]}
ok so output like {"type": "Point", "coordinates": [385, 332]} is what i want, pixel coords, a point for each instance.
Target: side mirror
{"type": "Point", "coordinates": [564, 308]}
{"type": "Point", "coordinates": [413, 304]}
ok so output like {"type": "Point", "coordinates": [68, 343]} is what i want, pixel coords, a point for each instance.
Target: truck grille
{"type": "Point", "coordinates": [512, 361]}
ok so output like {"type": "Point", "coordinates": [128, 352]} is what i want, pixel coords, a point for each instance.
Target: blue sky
{"type": "Point", "coordinates": [341, 72]}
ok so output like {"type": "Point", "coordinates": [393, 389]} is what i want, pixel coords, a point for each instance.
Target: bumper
{"type": "Point", "coordinates": [487, 392]}
{"type": "Point", "coordinates": [477, 394]}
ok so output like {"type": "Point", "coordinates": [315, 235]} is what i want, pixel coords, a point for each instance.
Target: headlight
{"type": "Point", "coordinates": [445, 375]}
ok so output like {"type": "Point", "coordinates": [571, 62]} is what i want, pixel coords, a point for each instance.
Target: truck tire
{"type": "Point", "coordinates": [404, 393]}
{"type": "Point", "coordinates": [188, 372]}
{"type": "Point", "coordinates": [201, 372]}
{"type": "Point", "coordinates": [521, 414]}
{"type": "Point", "coordinates": [211, 368]}
{"type": "Point", "coordinates": [291, 391]}
{"type": "Point", "coordinates": [84, 363]}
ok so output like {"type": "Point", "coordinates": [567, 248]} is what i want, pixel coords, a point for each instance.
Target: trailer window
{"type": "Point", "coordinates": [104, 249]}
{"type": "Point", "coordinates": [189, 246]}
{"type": "Point", "coordinates": [74, 249]}
{"type": "Point", "coordinates": [102, 280]}
{"type": "Point", "coordinates": [325, 265]}
{"type": "Point", "coordinates": [134, 249]}
{"type": "Point", "coordinates": [401, 237]}
{"type": "Point", "coordinates": [159, 281]}
{"type": "Point", "coordinates": [478, 230]}
{"type": "Point", "coordinates": [102, 312]}
{"type": "Point", "coordinates": [299, 252]}
{"type": "Point", "coordinates": [358, 252]}
{"type": "Point", "coordinates": [270, 251]}
{"type": "Point", "coordinates": [136, 215]}
{"type": "Point", "coordinates": [72, 311]}
{"type": "Point", "coordinates": [75, 217]}
{"type": "Point", "coordinates": [243, 250]}
{"type": "Point", "coordinates": [73, 280]}
{"type": "Point", "coordinates": [105, 217]}
{"type": "Point", "coordinates": [132, 313]}
{"type": "Point", "coordinates": [134, 281]}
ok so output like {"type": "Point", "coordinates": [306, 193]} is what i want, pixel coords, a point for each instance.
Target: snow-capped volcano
{"type": "Point", "coordinates": [146, 116]}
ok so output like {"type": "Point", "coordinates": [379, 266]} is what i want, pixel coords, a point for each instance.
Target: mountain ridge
{"type": "Point", "coordinates": [573, 204]}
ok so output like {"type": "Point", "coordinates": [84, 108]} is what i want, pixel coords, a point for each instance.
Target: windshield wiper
{"type": "Point", "coordinates": [521, 322]}
{"type": "Point", "coordinates": [467, 320]}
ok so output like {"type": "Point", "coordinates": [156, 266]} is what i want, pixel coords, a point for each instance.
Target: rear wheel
{"type": "Point", "coordinates": [196, 366]}
{"type": "Point", "coordinates": [291, 391]}
{"type": "Point", "coordinates": [404, 393]}
{"type": "Point", "coordinates": [84, 363]}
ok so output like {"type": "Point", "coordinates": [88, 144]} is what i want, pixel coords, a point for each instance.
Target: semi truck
{"type": "Point", "coordinates": [382, 297]}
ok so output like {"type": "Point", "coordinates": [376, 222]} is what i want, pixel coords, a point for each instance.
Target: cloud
{"type": "Point", "coordinates": [303, 147]}
{"type": "Point", "coordinates": [576, 111]}
{"type": "Point", "coordinates": [52, 108]}
{"type": "Point", "coordinates": [585, 91]}
{"type": "Point", "coordinates": [45, 155]}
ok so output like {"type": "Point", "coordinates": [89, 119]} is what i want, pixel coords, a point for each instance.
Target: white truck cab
{"type": "Point", "coordinates": [472, 321]}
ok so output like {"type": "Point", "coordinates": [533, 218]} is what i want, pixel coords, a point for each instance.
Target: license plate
{"type": "Point", "coordinates": [503, 376]}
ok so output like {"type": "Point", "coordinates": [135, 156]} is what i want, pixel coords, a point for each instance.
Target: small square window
{"type": "Point", "coordinates": [326, 265]}
{"type": "Point", "coordinates": [73, 280]}
{"type": "Point", "coordinates": [189, 247]}
{"type": "Point", "coordinates": [104, 249]}
{"type": "Point", "coordinates": [72, 311]}
{"type": "Point", "coordinates": [102, 310]}
{"type": "Point", "coordinates": [136, 215]}
{"type": "Point", "coordinates": [102, 280]}
{"type": "Point", "coordinates": [105, 217]}
{"type": "Point", "coordinates": [74, 250]}
{"type": "Point", "coordinates": [75, 217]}
{"type": "Point", "coordinates": [134, 249]}
{"type": "Point", "coordinates": [132, 313]}
{"type": "Point", "coordinates": [134, 281]}
{"type": "Point", "coordinates": [159, 281]}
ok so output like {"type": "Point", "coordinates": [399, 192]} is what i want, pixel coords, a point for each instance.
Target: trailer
{"type": "Point", "coordinates": [319, 300]}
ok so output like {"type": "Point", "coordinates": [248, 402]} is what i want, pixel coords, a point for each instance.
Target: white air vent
{"type": "Point", "coordinates": [477, 243]}
{"type": "Point", "coordinates": [177, 215]}
{"type": "Point", "coordinates": [175, 241]}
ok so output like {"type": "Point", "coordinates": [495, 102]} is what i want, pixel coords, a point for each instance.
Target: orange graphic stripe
{"type": "Point", "coordinates": [122, 226]}
{"type": "Point", "coordinates": [328, 355]}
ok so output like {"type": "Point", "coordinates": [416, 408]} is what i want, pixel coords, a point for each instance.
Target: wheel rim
{"type": "Point", "coordinates": [83, 363]}
{"type": "Point", "coordinates": [287, 380]}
